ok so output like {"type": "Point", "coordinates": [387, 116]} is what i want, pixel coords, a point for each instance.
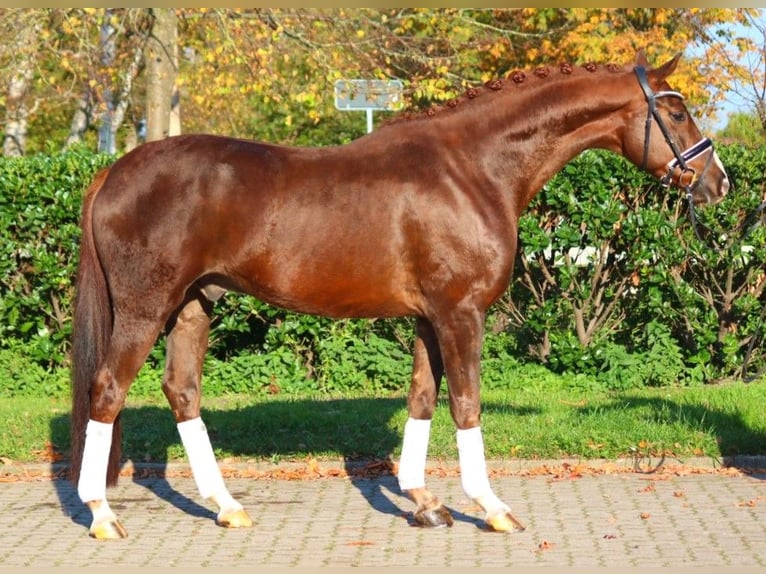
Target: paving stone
{"type": "Point", "coordinates": [595, 520]}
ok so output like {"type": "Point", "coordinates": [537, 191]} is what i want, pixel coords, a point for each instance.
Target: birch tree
{"type": "Point", "coordinates": [22, 43]}
{"type": "Point", "coordinates": [161, 49]}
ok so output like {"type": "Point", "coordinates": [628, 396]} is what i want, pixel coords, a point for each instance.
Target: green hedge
{"type": "Point", "coordinates": [611, 282]}
{"type": "Point", "coordinates": [655, 304]}
{"type": "Point", "coordinates": [39, 234]}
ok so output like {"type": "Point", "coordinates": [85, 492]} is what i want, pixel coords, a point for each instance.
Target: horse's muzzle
{"type": "Point", "coordinates": [712, 185]}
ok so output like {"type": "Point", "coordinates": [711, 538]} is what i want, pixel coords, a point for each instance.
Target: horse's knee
{"type": "Point", "coordinates": [181, 384]}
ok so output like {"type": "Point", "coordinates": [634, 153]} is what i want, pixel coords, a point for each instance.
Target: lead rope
{"type": "Point", "coordinates": [695, 223]}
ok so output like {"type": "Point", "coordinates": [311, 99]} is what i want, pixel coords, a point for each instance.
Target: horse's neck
{"type": "Point", "coordinates": [533, 133]}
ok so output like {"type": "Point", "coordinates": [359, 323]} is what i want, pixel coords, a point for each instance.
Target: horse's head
{"type": "Point", "coordinates": [663, 139]}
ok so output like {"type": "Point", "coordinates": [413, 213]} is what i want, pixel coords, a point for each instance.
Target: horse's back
{"type": "Point", "coordinates": [298, 227]}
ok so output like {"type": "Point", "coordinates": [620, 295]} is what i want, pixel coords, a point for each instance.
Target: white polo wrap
{"type": "Point", "coordinates": [473, 466]}
{"type": "Point", "coordinates": [95, 459]}
{"type": "Point", "coordinates": [412, 465]}
{"type": "Point", "coordinates": [204, 467]}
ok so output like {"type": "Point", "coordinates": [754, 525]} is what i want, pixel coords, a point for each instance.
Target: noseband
{"type": "Point", "coordinates": [688, 177]}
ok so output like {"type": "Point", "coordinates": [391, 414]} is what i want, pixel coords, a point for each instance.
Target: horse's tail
{"type": "Point", "coordinates": [91, 330]}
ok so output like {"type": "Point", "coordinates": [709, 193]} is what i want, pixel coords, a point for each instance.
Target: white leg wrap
{"type": "Point", "coordinates": [95, 459]}
{"type": "Point", "coordinates": [204, 467]}
{"type": "Point", "coordinates": [473, 466]}
{"type": "Point", "coordinates": [473, 471]}
{"type": "Point", "coordinates": [412, 466]}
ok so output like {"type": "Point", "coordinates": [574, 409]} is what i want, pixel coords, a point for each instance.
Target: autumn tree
{"type": "Point", "coordinates": [71, 82]}
{"type": "Point", "coordinates": [289, 58]}
{"type": "Point", "coordinates": [268, 73]}
{"type": "Point", "coordinates": [740, 52]}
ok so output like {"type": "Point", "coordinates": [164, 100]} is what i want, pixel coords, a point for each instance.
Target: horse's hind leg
{"type": "Point", "coordinates": [187, 342]}
{"type": "Point", "coordinates": [130, 344]}
{"type": "Point", "coordinates": [427, 373]}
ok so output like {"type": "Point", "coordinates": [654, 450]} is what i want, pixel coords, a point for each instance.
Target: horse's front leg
{"type": "Point", "coordinates": [187, 343]}
{"type": "Point", "coordinates": [427, 373]}
{"type": "Point", "coordinates": [460, 339]}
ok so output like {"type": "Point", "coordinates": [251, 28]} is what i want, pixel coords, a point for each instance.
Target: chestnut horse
{"type": "Point", "coordinates": [419, 218]}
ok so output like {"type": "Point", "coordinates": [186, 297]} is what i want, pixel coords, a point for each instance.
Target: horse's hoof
{"type": "Point", "coordinates": [108, 530]}
{"type": "Point", "coordinates": [234, 519]}
{"type": "Point", "coordinates": [505, 522]}
{"type": "Point", "coordinates": [438, 517]}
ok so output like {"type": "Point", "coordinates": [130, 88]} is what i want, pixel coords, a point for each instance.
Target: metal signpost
{"type": "Point", "coordinates": [368, 95]}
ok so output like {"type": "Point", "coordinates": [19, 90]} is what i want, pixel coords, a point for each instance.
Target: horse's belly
{"type": "Point", "coordinates": [338, 297]}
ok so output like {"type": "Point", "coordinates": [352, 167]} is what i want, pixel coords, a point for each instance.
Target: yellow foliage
{"type": "Point", "coordinates": [282, 62]}
{"type": "Point", "coordinates": [497, 50]}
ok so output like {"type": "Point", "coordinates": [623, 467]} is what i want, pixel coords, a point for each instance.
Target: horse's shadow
{"type": "Point", "coordinates": [276, 430]}
{"type": "Point", "coordinates": [280, 429]}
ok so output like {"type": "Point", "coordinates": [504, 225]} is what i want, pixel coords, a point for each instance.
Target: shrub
{"type": "Point", "coordinates": [40, 202]}
{"type": "Point", "coordinates": [611, 283]}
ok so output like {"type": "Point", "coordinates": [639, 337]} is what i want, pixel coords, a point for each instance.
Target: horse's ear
{"type": "Point", "coordinates": [667, 68]}
{"type": "Point", "coordinates": [641, 59]}
{"type": "Point", "coordinates": [663, 71]}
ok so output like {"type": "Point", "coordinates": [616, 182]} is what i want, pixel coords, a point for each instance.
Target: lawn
{"type": "Point", "coordinates": [534, 422]}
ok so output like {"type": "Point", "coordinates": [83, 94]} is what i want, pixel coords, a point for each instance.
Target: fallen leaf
{"type": "Point", "coordinates": [48, 453]}
{"type": "Point", "coordinates": [545, 545]}
{"type": "Point", "coordinates": [645, 516]}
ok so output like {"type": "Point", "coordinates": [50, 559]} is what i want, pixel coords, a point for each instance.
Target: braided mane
{"type": "Point", "coordinates": [514, 77]}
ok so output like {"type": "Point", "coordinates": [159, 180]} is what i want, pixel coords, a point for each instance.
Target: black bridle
{"type": "Point", "coordinates": [687, 179]}
{"type": "Point", "coordinates": [688, 176]}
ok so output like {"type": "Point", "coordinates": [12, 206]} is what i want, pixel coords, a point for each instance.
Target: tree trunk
{"type": "Point", "coordinates": [760, 109]}
{"type": "Point", "coordinates": [175, 98]}
{"type": "Point", "coordinates": [106, 136]}
{"type": "Point", "coordinates": [80, 120]}
{"type": "Point", "coordinates": [123, 100]}
{"type": "Point", "coordinates": [17, 109]}
{"type": "Point", "coordinates": [160, 72]}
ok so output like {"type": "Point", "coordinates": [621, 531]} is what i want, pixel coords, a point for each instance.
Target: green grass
{"type": "Point", "coordinates": [534, 422]}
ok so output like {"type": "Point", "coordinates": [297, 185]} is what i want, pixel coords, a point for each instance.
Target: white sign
{"type": "Point", "coordinates": [368, 95]}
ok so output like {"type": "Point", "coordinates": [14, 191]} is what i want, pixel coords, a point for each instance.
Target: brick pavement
{"type": "Point", "coordinates": [597, 519]}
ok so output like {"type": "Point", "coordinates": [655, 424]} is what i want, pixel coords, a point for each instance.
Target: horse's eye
{"type": "Point", "coordinates": [678, 116]}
